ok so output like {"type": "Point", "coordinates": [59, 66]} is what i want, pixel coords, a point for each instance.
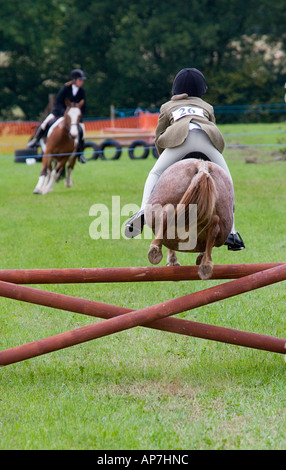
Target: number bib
{"type": "Point", "coordinates": [187, 111]}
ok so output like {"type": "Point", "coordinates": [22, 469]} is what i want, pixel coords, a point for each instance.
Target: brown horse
{"type": "Point", "coordinates": [190, 182]}
{"type": "Point", "coordinates": [61, 147]}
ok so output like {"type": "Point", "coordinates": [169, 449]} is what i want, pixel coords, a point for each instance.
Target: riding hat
{"type": "Point", "coordinates": [78, 73]}
{"type": "Point", "coordinates": [190, 81]}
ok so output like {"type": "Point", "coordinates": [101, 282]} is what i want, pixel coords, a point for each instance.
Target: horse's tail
{"type": "Point", "coordinates": [202, 192]}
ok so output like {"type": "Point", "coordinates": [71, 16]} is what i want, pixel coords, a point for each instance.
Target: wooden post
{"type": "Point", "coordinates": [112, 115]}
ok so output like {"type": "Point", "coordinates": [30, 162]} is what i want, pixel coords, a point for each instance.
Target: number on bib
{"type": "Point", "coordinates": [187, 111]}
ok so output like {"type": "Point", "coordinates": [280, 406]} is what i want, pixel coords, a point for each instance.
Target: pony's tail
{"type": "Point", "coordinates": [202, 192]}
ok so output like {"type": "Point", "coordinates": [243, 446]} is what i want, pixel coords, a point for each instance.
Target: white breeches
{"type": "Point", "coordinates": [196, 141]}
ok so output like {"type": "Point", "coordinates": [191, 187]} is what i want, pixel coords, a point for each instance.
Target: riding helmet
{"type": "Point", "coordinates": [78, 73]}
{"type": "Point", "coordinates": [190, 81]}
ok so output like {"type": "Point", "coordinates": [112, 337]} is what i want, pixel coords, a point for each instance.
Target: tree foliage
{"type": "Point", "coordinates": [131, 51]}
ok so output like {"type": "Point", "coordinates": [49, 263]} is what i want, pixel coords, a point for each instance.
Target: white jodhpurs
{"type": "Point", "coordinates": [46, 120]}
{"type": "Point", "coordinates": [196, 141]}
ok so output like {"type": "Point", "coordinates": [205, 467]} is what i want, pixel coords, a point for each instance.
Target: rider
{"type": "Point", "coordinates": [186, 124]}
{"type": "Point", "coordinates": [73, 91]}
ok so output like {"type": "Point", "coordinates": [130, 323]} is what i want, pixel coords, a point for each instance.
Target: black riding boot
{"type": "Point", "coordinates": [80, 148]}
{"type": "Point", "coordinates": [234, 242]}
{"type": "Point", "coordinates": [35, 140]}
{"type": "Point", "coordinates": [134, 226]}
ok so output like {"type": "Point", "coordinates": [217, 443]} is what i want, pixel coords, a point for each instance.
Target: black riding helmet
{"type": "Point", "coordinates": [190, 81]}
{"type": "Point", "coordinates": [78, 73]}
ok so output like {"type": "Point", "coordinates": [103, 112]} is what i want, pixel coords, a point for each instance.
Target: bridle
{"type": "Point", "coordinates": [68, 127]}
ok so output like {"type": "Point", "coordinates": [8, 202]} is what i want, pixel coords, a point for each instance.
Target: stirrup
{"type": "Point", "coordinates": [234, 242]}
{"type": "Point", "coordinates": [135, 225]}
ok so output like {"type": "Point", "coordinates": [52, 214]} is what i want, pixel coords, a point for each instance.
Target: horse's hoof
{"type": "Point", "coordinates": [37, 191]}
{"type": "Point", "coordinates": [47, 190]}
{"type": "Point", "coordinates": [205, 271]}
{"type": "Point", "coordinates": [173, 263]}
{"type": "Point", "coordinates": [155, 254]}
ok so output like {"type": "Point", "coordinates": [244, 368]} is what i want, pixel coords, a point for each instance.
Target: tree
{"type": "Point", "coordinates": [131, 51]}
{"type": "Point", "coordinates": [29, 36]}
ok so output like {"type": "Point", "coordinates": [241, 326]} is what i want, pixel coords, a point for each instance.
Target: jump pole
{"type": "Point", "coordinates": [172, 325]}
{"type": "Point", "coordinates": [127, 274]}
{"type": "Point", "coordinates": [145, 316]}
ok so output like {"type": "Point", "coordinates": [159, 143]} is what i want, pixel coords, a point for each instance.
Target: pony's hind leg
{"type": "Point", "coordinates": [172, 259]}
{"type": "Point", "coordinates": [199, 259]}
{"type": "Point", "coordinates": [155, 254]}
{"type": "Point", "coordinates": [206, 267]}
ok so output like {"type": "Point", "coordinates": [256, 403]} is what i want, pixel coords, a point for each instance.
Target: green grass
{"type": "Point", "coordinates": [141, 388]}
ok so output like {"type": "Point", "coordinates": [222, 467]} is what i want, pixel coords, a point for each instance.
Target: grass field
{"type": "Point", "coordinates": [141, 388]}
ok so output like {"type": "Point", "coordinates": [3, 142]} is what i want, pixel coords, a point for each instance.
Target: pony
{"type": "Point", "coordinates": [186, 185]}
{"type": "Point", "coordinates": [60, 147]}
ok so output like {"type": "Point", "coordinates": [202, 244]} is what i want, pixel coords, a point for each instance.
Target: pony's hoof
{"type": "Point", "coordinates": [155, 254]}
{"type": "Point", "coordinates": [205, 271]}
{"type": "Point", "coordinates": [173, 263]}
{"type": "Point", "coordinates": [37, 191]}
{"type": "Point", "coordinates": [47, 190]}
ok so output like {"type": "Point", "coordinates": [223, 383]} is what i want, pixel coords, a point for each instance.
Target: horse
{"type": "Point", "coordinates": [186, 185]}
{"type": "Point", "coordinates": [61, 147]}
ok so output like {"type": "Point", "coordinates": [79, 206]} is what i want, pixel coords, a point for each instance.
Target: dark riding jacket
{"type": "Point", "coordinates": [66, 92]}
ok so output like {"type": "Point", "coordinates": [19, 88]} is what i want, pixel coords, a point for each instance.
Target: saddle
{"type": "Point", "coordinates": [197, 155]}
{"type": "Point", "coordinates": [49, 125]}
{"type": "Point", "coordinates": [53, 120]}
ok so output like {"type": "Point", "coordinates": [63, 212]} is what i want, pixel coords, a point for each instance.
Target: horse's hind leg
{"type": "Point", "coordinates": [155, 254]}
{"type": "Point", "coordinates": [162, 218]}
{"type": "Point", "coordinates": [199, 259]}
{"type": "Point", "coordinates": [206, 266]}
{"type": "Point", "coordinates": [172, 259]}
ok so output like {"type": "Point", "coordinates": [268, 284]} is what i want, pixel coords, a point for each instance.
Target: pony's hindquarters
{"type": "Point", "coordinates": [202, 193]}
{"type": "Point", "coordinates": [205, 186]}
